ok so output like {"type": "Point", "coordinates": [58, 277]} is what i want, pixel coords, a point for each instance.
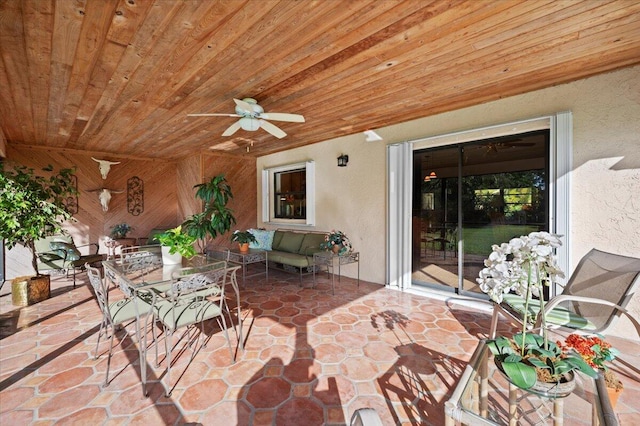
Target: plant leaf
{"type": "Point", "coordinates": [522, 375]}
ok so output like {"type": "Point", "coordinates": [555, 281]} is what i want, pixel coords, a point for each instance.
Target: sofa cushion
{"type": "Point", "coordinates": [311, 243]}
{"type": "Point", "coordinates": [264, 239]}
{"type": "Point", "coordinates": [293, 259]}
{"type": "Point", "coordinates": [290, 242]}
{"type": "Point", "coordinates": [277, 237]}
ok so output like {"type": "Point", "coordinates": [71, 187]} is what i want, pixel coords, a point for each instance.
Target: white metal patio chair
{"type": "Point", "coordinates": [117, 313]}
{"type": "Point", "coordinates": [196, 294]}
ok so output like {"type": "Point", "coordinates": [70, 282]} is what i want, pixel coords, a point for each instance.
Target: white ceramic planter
{"type": "Point", "coordinates": [170, 259]}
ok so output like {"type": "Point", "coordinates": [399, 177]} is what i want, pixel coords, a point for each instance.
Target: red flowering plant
{"type": "Point", "coordinates": [596, 352]}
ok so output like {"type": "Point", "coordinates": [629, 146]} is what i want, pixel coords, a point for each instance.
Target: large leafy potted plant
{"type": "Point", "coordinates": [33, 207]}
{"type": "Point", "coordinates": [525, 266]}
{"type": "Point", "coordinates": [216, 218]}
{"type": "Point", "coordinates": [176, 244]}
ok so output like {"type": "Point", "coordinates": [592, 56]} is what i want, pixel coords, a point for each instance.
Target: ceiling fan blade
{"type": "Point", "coordinates": [282, 116]}
{"type": "Point", "coordinates": [232, 129]}
{"type": "Point", "coordinates": [273, 129]}
{"type": "Point", "coordinates": [244, 106]}
{"type": "Point", "coordinates": [213, 115]}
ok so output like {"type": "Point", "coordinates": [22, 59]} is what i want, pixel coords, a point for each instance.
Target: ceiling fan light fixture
{"type": "Point", "coordinates": [249, 124]}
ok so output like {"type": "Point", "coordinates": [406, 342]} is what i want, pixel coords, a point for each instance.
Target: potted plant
{"type": "Point", "coordinates": [597, 352]}
{"type": "Point", "coordinates": [216, 218]}
{"type": "Point", "coordinates": [120, 231]}
{"type": "Point", "coordinates": [33, 207]}
{"type": "Point", "coordinates": [526, 265]}
{"type": "Point", "coordinates": [243, 238]}
{"type": "Point", "coordinates": [337, 242]}
{"type": "Point", "coordinates": [176, 245]}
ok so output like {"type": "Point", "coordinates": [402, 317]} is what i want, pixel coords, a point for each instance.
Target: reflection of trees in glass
{"type": "Point", "coordinates": [515, 197]}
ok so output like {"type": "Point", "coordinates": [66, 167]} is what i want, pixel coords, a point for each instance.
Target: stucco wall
{"type": "Point", "coordinates": [605, 177]}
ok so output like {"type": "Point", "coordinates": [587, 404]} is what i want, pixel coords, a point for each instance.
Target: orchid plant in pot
{"type": "Point", "coordinates": [526, 265]}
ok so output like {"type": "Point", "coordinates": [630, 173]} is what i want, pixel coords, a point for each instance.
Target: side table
{"type": "Point", "coordinates": [113, 244]}
{"type": "Point", "coordinates": [328, 259]}
{"type": "Point", "coordinates": [243, 259]}
{"type": "Point", "coordinates": [484, 397]}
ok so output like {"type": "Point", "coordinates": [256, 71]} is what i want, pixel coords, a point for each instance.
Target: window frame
{"type": "Point", "coordinates": [268, 192]}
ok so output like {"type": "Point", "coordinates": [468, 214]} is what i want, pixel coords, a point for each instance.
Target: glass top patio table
{"type": "Point", "coordinates": [141, 273]}
{"type": "Point", "coordinates": [483, 396]}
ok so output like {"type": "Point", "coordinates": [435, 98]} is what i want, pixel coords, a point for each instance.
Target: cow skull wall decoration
{"type": "Point", "coordinates": [104, 166]}
{"type": "Point", "coordinates": [104, 195]}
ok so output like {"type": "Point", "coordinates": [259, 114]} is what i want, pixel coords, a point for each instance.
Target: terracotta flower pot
{"type": "Point", "coordinates": [244, 247]}
{"type": "Point", "coordinates": [614, 394]}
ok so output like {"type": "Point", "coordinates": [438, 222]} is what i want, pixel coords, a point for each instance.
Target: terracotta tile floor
{"type": "Point", "coordinates": [310, 358]}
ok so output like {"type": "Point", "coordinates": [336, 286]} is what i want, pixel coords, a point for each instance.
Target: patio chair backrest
{"type": "Point", "coordinates": [604, 276]}
{"type": "Point", "coordinates": [195, 279]}
{"type": "Point", "coordinates": [100, 290]}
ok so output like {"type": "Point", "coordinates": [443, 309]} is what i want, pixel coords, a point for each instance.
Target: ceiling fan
{"type": "Point", "coordinates": [252, 117]}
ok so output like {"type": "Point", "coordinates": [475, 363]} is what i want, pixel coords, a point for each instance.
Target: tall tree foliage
{"type": "Point", "coordinates": [216, 218]}
{"type": "Point", "coordinates": [31, 206]}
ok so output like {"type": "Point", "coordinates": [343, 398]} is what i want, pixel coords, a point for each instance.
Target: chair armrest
{"type": "Point", "coordinates": [551, 304]}
{"type": "Point", "coordinates": [309, 251]}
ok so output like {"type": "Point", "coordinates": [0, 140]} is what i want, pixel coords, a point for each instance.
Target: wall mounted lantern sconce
{"type": "Point", "coordinates": [343, 160]}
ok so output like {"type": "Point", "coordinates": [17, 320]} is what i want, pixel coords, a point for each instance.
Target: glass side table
{"type": "Point", "coordinates": [329, 260]}
{"type": "Point", "coordinates": [483, 396]}
{"type": "Point", "coordinates": [252, 257]}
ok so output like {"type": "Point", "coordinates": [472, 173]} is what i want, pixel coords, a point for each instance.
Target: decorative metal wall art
{"type": "Point", "coordinates": [135, 196]}
{"type": "Point", "coordinates": [71, 203]}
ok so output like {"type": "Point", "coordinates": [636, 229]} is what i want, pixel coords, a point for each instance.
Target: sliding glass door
{"type": "Point", "coordinates": [470, 196]}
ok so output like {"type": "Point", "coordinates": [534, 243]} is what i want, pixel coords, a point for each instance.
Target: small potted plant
{"type": "Point", "coordinates": [597, 352]}
{"type": "Point", "coordinates": [243, 238]}
{"type": "Point", "coordinates": [120, 231]}
{"type": "Point", "coordinates": [337, 242]}
{"type": "Point", "coordinates": [175, 245]}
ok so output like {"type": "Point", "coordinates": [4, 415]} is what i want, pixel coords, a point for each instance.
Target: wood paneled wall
{"type": "Point", "coordinates": [169, 196]}
{"type": "Point", "coordinates": [189, 172]}
{"type": "Point", "coordinates": [91, 224]}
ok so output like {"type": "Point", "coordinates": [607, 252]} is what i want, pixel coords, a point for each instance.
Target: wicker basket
{"type": "Point", "coordinates": [26, 291]}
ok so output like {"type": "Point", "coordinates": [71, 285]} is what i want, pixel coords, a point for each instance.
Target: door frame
{"type": "Point", "coordinates": [399, 187]}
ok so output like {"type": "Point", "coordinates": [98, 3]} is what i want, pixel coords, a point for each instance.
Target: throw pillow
{"type": "Point", "coordinates": [65, 250]}
{"type": "Point", "coordinates": [264, 239]}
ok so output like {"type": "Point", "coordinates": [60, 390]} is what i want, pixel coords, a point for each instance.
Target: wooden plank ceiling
{"type": "Point", "coordinates": [120, 76]}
